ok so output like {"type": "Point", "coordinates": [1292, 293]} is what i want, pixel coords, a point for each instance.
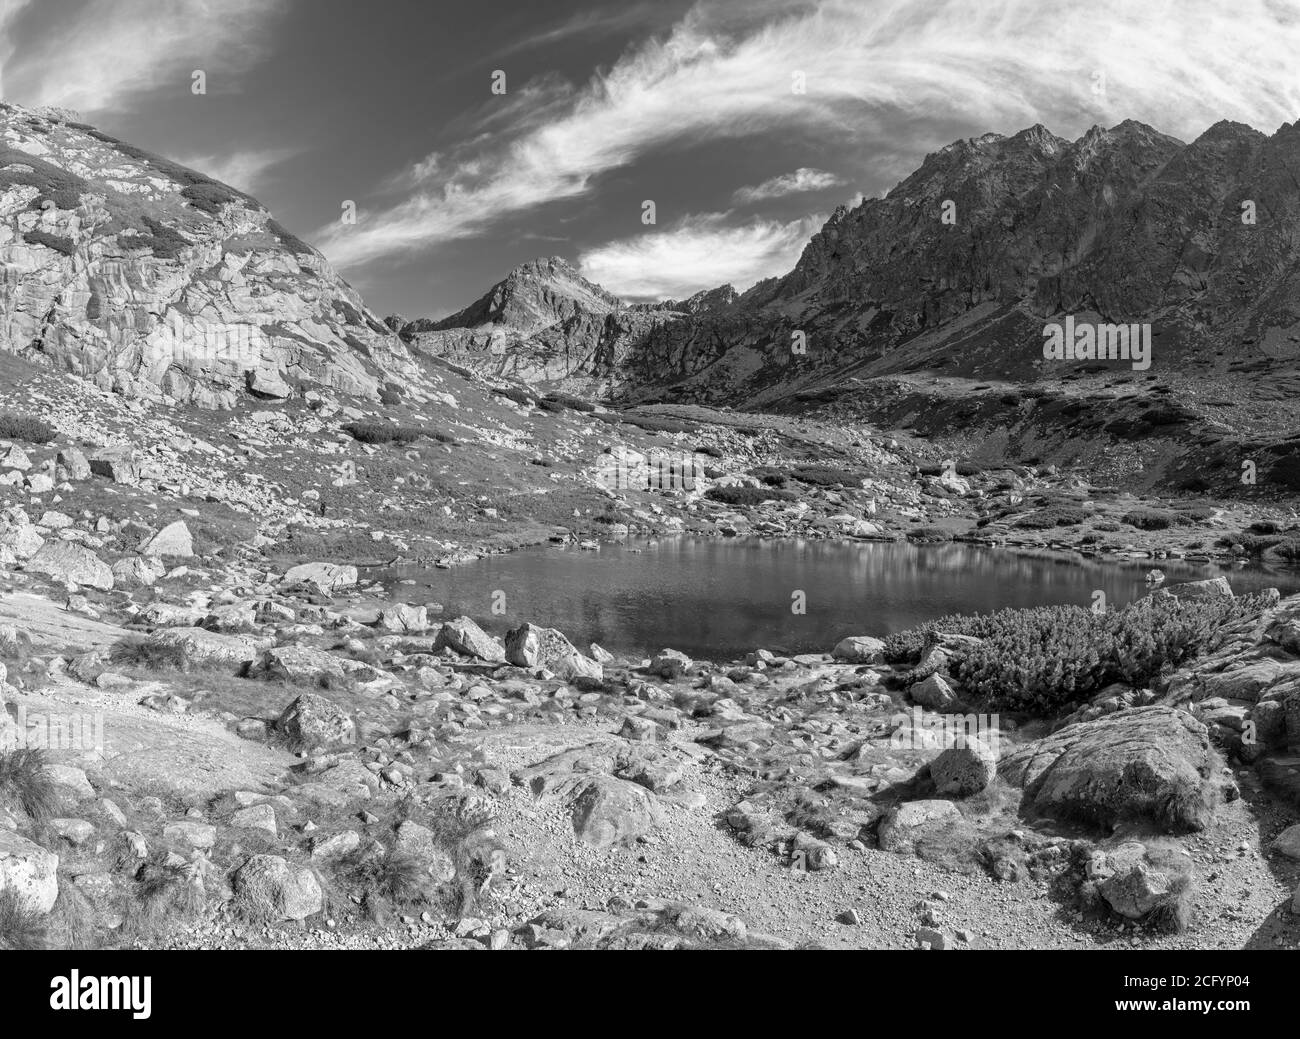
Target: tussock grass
{"type": "Point", "coordinates": [26, 783]}
{"type": "Point", "coordinates": [22, 929]}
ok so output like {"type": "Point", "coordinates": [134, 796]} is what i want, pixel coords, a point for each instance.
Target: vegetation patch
{"type": "Point", "coordinates": [1052, 657]}
{"type": "Point", "coordinates": [15, 426]}
{"type": "Point", "coordinates": [747, 495]}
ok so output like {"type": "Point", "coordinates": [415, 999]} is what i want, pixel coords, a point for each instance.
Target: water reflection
{"type": "Point", "coordinates": [718, 598]}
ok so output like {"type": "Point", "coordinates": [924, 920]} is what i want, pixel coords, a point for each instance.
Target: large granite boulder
{"type": "Point", "coordinates": [1152, 765]}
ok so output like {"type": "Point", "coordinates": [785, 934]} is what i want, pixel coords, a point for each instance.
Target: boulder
{"type": "Point", "coordinates": [28, 872]}
{"type": "Point", "coordinates": [268, 384]}
{"type": "Point", "coordinates": [271, 889]}
{"type": "Point", "coordinates": [303, 663]}
{"type": "Point", "coordinates": [202, 648]}
{"type": "Point", "coordinates": [935, 693]}
{"type": "Point", "coordinates": [72, 564]}
{"type": "Point", "coordinates": [314, 721]}
{"type": "Point", "coordinates": [132, 573]}
{"type": "Point", "coordinates": [669, 663]}
{"type": "Point", "coordinates": [326, 578]}
{"type": "Point", "coordinates": [964, 770]}
{"type": "Point", "coordinates": [469, 640]}
{"type": "Point", "coordinates": [404, 617]}
{"type": "Point", "coordinates": [531, 646]}
{"type": "Point", "coordinates": [116, 464]}
{"type": "Point", "coordinates": [905, 823]}
{"type": "Point", "coordinates": [1150, 764]}
{"type": "Point", "coordinates": [1211, 588]}
{"type": "Point", "coordinates": [173, 540]}
{"type": "Point", "coordinates": [1134, 886]}
{"type": "Point", "coordinates": [609, 811]}
{"type": "Point", "coordinates": [75, 463]}
{"type": "Point", "coordinates": [859, 649]}
{"type": "Point", "coordinates": [422, 844]}
{"type": "Point", "coordinates": [23, 541]}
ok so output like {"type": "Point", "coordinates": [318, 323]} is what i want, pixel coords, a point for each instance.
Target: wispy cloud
{"type": "Point", "coordinates": [245, 170]}
{"type": "Point", "coordinates": [801, 180]}
{"type": "Point", "coordinates": [109, 50]}
{"type": "Point", "coordinates": [699, 252]}
{"type": "Point", "coordinates": [726, 71]}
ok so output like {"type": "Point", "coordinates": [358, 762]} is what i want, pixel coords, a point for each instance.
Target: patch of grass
{"type": "Point", "coordinates": [382, 433]}
{"type": "Point", "coordinates": [1151, 519]}
{"type": "Point", "coordinates": [26, 783]}
{"type": "Point", "coordinates": [163, 893]}
{"type": "Point", "coordinates": [164, 242]}
{"type": "Point", "coordinates": [1251, 544]}
{"type": "Point", "coordinates": [747, 496]}
{"type": "Point", "coordinates": [139, 651]}
{"type": "Point", "coordinates": [1054, 516]}
{"type": "Point", "coordinates": [289, 240]}
{"type": "Point", "coordinates": [827, 476]}
{"type": "Point", "coordinates": [22, 929]}
{"type": "Point", "coordinates": [14, 426]}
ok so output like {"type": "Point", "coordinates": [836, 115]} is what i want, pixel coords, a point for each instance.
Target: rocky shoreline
{"type": "Point", "coordinates": [284, 766]}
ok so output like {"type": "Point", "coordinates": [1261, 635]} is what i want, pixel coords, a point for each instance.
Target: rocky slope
{"type": "Point", "coordinates": [152, 279]}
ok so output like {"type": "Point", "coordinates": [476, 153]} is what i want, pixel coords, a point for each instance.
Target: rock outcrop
{"type": "Point", "coordinates": [153, 279]}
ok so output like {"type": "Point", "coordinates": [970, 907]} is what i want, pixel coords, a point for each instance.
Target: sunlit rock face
{"type": "Point", "coordinates": [152, 279]}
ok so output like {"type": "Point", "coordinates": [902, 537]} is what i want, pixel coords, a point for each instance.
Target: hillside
{"type": "Point", "coordinates": [153, 279]}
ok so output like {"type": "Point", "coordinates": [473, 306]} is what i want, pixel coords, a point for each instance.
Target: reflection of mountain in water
{"type": "Point", "coordinates": [719, 598]}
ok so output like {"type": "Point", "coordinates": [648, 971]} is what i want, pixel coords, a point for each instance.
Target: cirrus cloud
{"type": "Point", "coordinates": [698, 252]}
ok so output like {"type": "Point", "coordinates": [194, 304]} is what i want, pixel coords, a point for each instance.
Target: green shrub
{"type": "Point", "coordinates": [165, 242]}
{"type": "Point", "coordinates": [565, 400]}
{"type": "Point", "coordinates": [1055, 516]}
{"type": "Point", "coordinates": [1289, 550]}
{"type": "Point", "coordinates": [289, 240]}
{"type": "Point", "coordinates": [1051, 657]}
{"type": "Point", "coordinates": [58, 243]}
{"type": "Point", "coordinates": [14, 426]}
{"type": "Point", "coordinates": [827, 476]}
{"type": "Point", "coordinates": [1150, 519]}
{"type": "Point", "coordinates": [519, 397]}
{"type": "Point", "coordinates": [1251, 544]}
{"type": "Point", "coordinates": [747, 495]}
{"type": "Point", "coordinates": [382, 433]}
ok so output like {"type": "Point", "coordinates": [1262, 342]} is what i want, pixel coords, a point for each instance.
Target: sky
{"type": "Point", "coordinates": [473, 137]}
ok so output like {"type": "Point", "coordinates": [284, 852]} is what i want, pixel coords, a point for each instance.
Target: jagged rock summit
{"type": "Point", "coordinates": [152, 279]}
{"type": "Point", "coordinates": [546, 323]}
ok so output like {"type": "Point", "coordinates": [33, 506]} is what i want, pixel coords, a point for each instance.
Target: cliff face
{"type": "Point", "coordinates": [543, 323]}
{"type": "Point", "coordinates": [152, 279]}
{"type": "Point", "coordinates": [1122, 225]}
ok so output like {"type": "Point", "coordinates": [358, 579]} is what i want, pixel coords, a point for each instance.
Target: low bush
{"type": "Point", "coordinates": [58, 243]}
{"type": "Point", "coordinates": [1150, 519]}
{"type": "Point", "coordinates": [14, 426]}
{"type": "Point", "coordinates": [1055, 516]}
{"type": "Point", "coordinates": [827, 476]}
{"type": "Point", "coordinates": [1052, 657]}
{"type": "Point", "coordinates": [1251, 544]}
{"type": "Point", "coordinates": [382, 433]}
{"type": "Point", "coordinates": [747, 495]}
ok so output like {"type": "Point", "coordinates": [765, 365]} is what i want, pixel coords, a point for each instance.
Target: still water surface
{"type": "Point", "coordinates": [718, 598]}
